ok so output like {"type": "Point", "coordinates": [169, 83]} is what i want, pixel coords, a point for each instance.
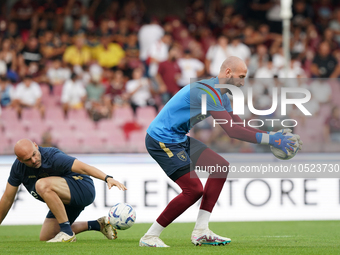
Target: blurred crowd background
{"type": "Point", "coordinates": [89, 76]}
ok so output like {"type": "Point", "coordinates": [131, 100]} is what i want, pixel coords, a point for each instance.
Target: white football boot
{"type": "Point", "coordinates": [106, 228]}
{"type": "Point", "coordinates": [62, 237]}
{"type": "Point", "coordinates": [206, 236]}
{"type": "Point", "coordinates": [152, 241]}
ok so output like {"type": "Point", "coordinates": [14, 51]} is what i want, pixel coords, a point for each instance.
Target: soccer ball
{"type": "Point", "coordinates": [280, 154]}
{"type": "Point", "coordinates": [122, 216]}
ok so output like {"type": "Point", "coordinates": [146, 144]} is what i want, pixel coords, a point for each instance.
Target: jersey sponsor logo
{"type": "Point", "coordinates": [43, 175]}
{"type": "Point", "coordinates": [77, 178]}
{"type": "Point", "coordinates": [182, 156]}
{"type": "Point", "coordinates": [32, 176]}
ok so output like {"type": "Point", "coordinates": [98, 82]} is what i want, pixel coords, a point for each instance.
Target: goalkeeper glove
{"type": "Point", "coordinates": [277, 140]}
{"type": "Point", "coordinates": [287, 130]}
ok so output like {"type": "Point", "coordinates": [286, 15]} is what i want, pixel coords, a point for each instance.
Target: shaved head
{"type": "Point", "coordinates": [233, 71]}
{"type": "Point", "coordinates": [233, 63]}
{"type": "Point", "coordinates": [28, 153]}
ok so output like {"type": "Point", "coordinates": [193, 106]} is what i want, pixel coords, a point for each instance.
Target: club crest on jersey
{"type": "Point", "coordinates": [182, 156]}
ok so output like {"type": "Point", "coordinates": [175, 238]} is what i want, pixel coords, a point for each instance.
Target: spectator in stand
{"type": "Point", "coordinates": [258, 60]}
{"type": "Point", "coordinates": [73, 95]}
{"type": "Point", "coordinates": [191, 68]}
{"type": "Point", "coordinates": [158, 52]}
{"type": "Point", "coordinates": [28, 95]}
{"type": "Point", "coordinates": [324, 64]}
{"type": "Point", "coordinates": [95, 104]}
{"type": "Point", "coordinates": [77, 54]}
{"type": "Point", "coordinates": [6, 92]}
{"type": "Point", "coordinates": [25, 15]}
{"type": "Point", "coordinates": [56, 74]}
{"type": "Point", "coordinates": [48, 10]}
{"type": "Point", "coordinates": [104, 29]}
{"type": "Point", "coordinates": [139, 91]}
{"type": "Point", "coordinates": [122, 31]}
{"type": "Point", "coordinates": [148, 34]}
{"type": "Point", "coordinates": [267, 70]}
{"type": "Point", "coordinates": [62, 43]}
{"type": "Point", "coordinates": [168, 74]}
{"type": "Point", "coordinates": [12, 31]}
{"type": "Point", "coordinates": [323, 10]}
{"type": "Point", "coordinates": [49, 49]}
{"type": "Point", "coordinates": [278, 58]}
{"type": "Point", "coordinates": [216, 55]}
{"type": "Point", "coordinates": [108, 54]}
{"type": "Point", "coordinates": [77, 29]}
{"type": "Point", "coordinates": [238, 49]}
{"type": "Point", "coordinates": [328, 36]}
{"type": "Point", "coordinates": [332, 126]}
{"type": "Point", "coordinates": [131, 48]}
{"type": "Point", "coordinates": [302, 13]}
{"type": "Point", "coordinates": [8, 55]}
{"type": "Point", "coordinates": [258, 9]}
{"type": "Point", "coordinates": [30, 54]}
{"type": "Point", "coordinates": [298, 42]}
{"type": "Point", "coordinates": [252, 37]}
{"type": "Point", "coordinates": [335, 25]}
{"type": "Point", "coordinates": [274, 18]}
{"type": "Point", "coordinates": [75, 16]}
{"type": "Point", "coordinates": [95, 71]}
{"type": "Point", "coordinates": [294, 71]}
{"type": "Point", "coordinates": [115, 95]}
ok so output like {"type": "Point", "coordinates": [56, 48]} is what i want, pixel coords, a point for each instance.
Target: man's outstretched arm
{"type": "Point", "coordinates": [278, 140]}
{"type": "Point", "coordinates": [83, 168]}
{"type": "Point", "coordinates": [235, 130]}
{"type": "Point", "coordinates": [7, 200]}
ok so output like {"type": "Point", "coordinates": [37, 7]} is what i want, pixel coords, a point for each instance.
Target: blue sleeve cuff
{"type": "Point", "coordinates": [258, 137]}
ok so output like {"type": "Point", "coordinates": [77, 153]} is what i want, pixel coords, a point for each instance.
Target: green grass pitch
{"type": "Point", "coordinates": [291, 237]}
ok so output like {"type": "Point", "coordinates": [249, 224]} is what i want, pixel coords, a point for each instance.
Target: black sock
{"type": "Point", "coordinates": [66, 227]}
{"type": "Point", "coordinates": [93, 225]}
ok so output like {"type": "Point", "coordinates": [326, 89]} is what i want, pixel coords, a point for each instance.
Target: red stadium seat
{"type": "Point", "coordinates": [67, 141]}
{"type": "Point", "coordinates": [57, 90]}
{"type": "Point", "coordinates": [8, 114]}
{"type": "Point", "coordinates": [30, 114]}
{"type": "Point", "coordinates": [93, 143]}
{"type": "Point", "coordinates": [45, 91]}
{"type": "Point", "coordinates": [145, 115]}
{"type": "Point", "coordinates": [35, 127]}
{"type": "Point", "coordinates": [107, 125]}
{"type": "Point", "coordinates": [123, 115]}
{"type": "Point", "coordinates": [54, 113]}
{"type": "Point", "coordinates": [137, 142]}
{"type": "Point", "coordinates": [78, 114]}
{"type": "Point", "coordinates": [115, 141]}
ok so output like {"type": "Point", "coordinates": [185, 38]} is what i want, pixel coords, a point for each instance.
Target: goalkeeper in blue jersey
{"type": "Point", "coordinates": [178, 154]}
